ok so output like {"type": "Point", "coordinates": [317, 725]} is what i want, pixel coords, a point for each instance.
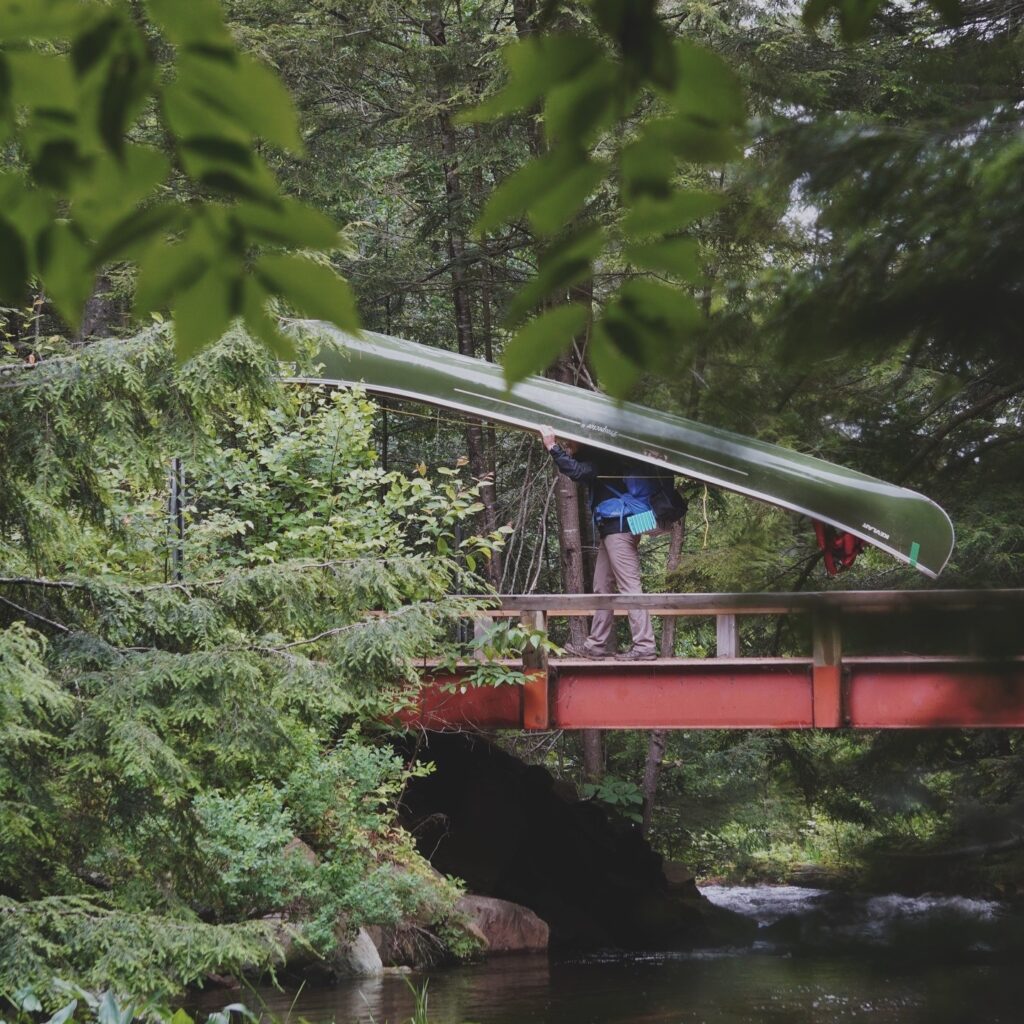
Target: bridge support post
{"type": "Point", "coordinates": [827, 670]}
{"type": "Point", "coordinates": [536, 692]}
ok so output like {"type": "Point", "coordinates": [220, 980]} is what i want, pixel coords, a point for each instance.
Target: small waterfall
{"type": "Point", "coordinates": [766, 904]}
{"type": "Point", "coordinates": [931, 925]}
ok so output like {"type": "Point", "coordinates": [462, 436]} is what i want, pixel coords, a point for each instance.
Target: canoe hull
{"type": "Point", "coordinates": [902, 522]}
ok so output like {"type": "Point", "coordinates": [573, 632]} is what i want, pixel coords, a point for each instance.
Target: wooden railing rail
{"type": "Point", "coordinates": [827, 609]}
{"type": "Point", "coordinates": [859, 601]}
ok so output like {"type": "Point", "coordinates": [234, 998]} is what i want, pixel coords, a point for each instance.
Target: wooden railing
{"type": "Point", "coordinates": [826, 608]}
{"type": "Point", "coordinates": [959, 662]}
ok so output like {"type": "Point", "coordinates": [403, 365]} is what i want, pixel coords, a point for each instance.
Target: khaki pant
{"type": "Point", "coordinates": [618, 572]}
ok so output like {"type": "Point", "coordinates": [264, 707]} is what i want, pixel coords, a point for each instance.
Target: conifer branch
{"type": "Point", "coordinates": [39, 581]}
{"type": "Point", "coordinates": [189, 585]}
{"type": "Point", "coordinates": [35, 615]}
{"type": "Point", "coordinates": [451, 607]}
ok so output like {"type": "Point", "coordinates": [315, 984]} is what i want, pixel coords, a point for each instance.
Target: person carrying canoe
{"type": "Point", "coordinates": [618, 559]}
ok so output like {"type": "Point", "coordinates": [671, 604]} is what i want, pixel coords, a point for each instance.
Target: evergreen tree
{"type": "Point", "coordinates": [167, 732]}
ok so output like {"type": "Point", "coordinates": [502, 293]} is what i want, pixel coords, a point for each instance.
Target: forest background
{"type": "Point", "coordinates": [841, 227]}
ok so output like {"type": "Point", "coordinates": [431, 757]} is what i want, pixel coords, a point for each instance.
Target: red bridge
{"type": "Point", "coordinates": [875, 660]}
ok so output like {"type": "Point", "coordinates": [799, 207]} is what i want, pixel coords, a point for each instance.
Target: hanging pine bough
{"type": "Point", "coordinates": [907, 525]}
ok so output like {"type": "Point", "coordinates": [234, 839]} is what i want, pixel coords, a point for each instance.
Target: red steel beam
{"type": "Point", "coordinates": [443, 705]}
{"type": "Point", "coordinates": [536, 700]}
{"type": "Point", "coordinates": [727, 693]}
{"type": "Point", "coordinates": [712, 694]}
{"type": "Point", "coordinates": [931, 693]}
{"type": "Point", "coordinates": [827, 696]}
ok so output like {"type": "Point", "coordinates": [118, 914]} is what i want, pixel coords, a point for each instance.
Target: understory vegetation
{"type": "Point", "coordinates": [190, 749]}
{"type": "Point", "coordinates": [892, 811]}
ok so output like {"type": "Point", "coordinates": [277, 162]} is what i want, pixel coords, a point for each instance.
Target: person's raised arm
{"type": "Point", "coordinates": [579, 470]}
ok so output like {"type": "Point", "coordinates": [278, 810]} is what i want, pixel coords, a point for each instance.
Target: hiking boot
{"type": "Point", "coordinates": [635, 654]}
{"type": "Point", "coordinates": [576, 651]}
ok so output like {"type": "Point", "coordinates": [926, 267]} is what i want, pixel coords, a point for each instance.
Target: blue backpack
{"type": "Point", "coordinates": [635, 505]}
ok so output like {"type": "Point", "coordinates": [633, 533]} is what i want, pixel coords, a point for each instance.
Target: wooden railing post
{"type": "Point", "coordinates": [536, 700]}
{"type": "Point", "coordinates": [727, 636]}
{"type": "Point", "coordinates": [482, 624]}
{"type": "Point", "coordinates": [827, 669]}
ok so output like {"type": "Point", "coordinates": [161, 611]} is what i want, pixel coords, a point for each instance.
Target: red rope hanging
{"type": "Point", "coordinates": [840, 549]}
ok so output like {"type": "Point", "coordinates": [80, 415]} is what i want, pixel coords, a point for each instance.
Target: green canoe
{"type": "Point", "coordinates": [902, 522]}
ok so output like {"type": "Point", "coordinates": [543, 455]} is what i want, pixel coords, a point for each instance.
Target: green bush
{"type": "Point", "coordinates": [162, 749]}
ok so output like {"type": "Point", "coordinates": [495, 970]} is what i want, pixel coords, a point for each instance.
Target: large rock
{"type": "Point", "coordinates": [353, 957]}
{"type": "Point", "coordinates": [680, 879]}
{"type": "Point", "coordinates": [358, 958]}
{"type": "Point", "coordinates": [510, 832]}
{"type": "Point", "coordinates": [506, 927]}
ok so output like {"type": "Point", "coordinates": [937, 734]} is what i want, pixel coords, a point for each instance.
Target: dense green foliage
{"type": "Point", "coordinates": [864, 284]}
{"type": "Point", "coordinates": [850, 287]}
{"type": "Point", "coordinates": [167, 739]}
{"type": "Point", "coordinates": [896, 811]}
{"type": "Point", "coordinates": [123, 152]}
{"type": "Point", "coordinates": [692, 111]}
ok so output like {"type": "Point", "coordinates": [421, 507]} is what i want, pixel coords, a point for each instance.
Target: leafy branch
{"type": "Point", "coordinates": [80, 83]}
{"type": "Point", "coordinates": [624, 107]}
{"type": "Point", "coordinates": [630, 114]}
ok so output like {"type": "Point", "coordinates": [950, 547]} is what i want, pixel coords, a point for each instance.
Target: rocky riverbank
{"type": "Point", "coordinates": [542, 867]}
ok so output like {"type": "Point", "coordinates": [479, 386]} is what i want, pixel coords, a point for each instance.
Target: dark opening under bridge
{"type": "Point", "coordinates": [924, 659]}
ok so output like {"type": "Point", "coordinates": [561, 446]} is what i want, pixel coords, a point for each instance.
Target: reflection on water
{"type": "Point", "coordinates": [796, 982]}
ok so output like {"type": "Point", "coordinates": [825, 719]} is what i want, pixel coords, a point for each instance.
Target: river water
{"type": "Point", "coordinates": [818, 958]}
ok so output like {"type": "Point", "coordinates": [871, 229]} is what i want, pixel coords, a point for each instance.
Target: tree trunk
{"type": "Point", "coordinates": [488, 485]}
{"type": "Point", "coordinates": [593, 755]}
{"type": "Point", "coordinates": [658, 737]}
{"type": "Point", "coordinates": [574, 579]}
{"type": "Point", "coordinates": [570, 538]}
{"type": "Point", "coordinates": [652, 769]}
{"type": "Point", "coordinates": [575, 571]}
{"type": "Point", "coordinates": [566, 495]}
{"type": "Point", "coordinates": [522, 14]}
{"type": "Point", "coordinates": [455, 240]}
{"type": "Point", "coordinates": [100, 314]}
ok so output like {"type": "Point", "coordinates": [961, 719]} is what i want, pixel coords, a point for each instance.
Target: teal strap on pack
{"type": "Point", "coordinates": [642, 522]}
{"type": "Point", "coordinates": [915, 550]}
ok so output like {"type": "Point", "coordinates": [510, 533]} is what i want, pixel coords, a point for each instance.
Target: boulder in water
{"type": "Point", "coordinates": [505, 927]}
{"type": "Point", "coordinates": [358, 958]}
